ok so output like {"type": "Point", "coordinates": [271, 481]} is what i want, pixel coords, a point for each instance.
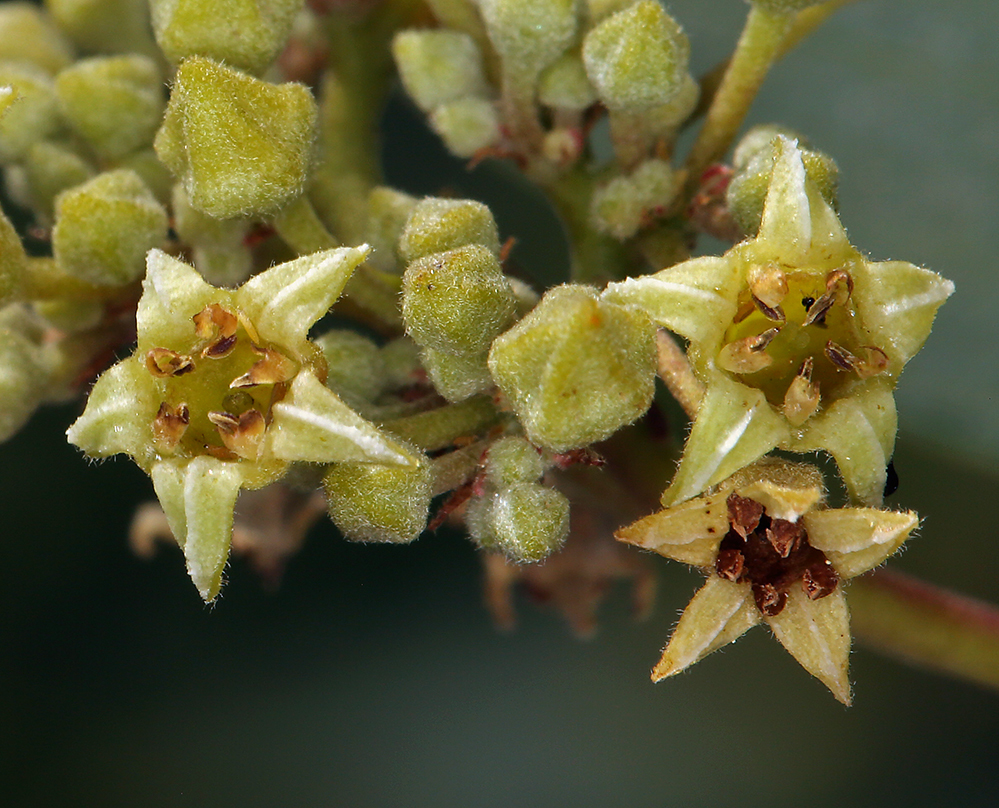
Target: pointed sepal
{"type": "Point", "coordinates": [856, 540]}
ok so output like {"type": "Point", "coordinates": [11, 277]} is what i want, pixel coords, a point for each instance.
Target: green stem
{"type": "Point", "coordinates": [928, 626]}
{"type": "Point", "coordinates": [439, 428]}
{"type": "Point", "coordinates": [757, 50]}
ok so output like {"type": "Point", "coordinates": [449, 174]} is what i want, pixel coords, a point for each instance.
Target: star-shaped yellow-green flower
{"type": "Point", "coordinates": [223, 392]}
{"type": "Point", "coordinates": [798, 338]}
{"type": "Point", "coordinates": [772, 554]}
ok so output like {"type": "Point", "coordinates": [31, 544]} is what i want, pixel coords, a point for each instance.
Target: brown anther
{"type": "Point", "coordinates": [163, 363]}
{"type": "Point", "coordinates": [213, 317]}
{"type": "Point", "coordinates": [769, 600]}
{"type": "Point", "coordinates": [819, 309]}
{"type": "Point", "coordinates": [744, 514]}
{"type": "Point", "coordinates": [819, 580]}
{"type": "Point", "coordinates": [272, 368]}
{"type": "Point", "coordinates": [169, 426]}
{"type": "Point", "coordinates": [240, 434]}
{"type": "Point", "coordinates": [785, 536]}
{"type": "Point", "coordinates": [768, 286]}
{"type": "Point", "coordinates": [746, 308]}
{"type": "Point", "coordinates": [875, 361]}
{"type": "Point", "coordinates": [802, 397]}
{"type": "Point", "coordinates": [748, 355]}
{"type": "Point", "coordinates": [839, 284]}
{"type": "Point", "coordinates": [841, 357]}
{"type": "Point", "coordinates": [220, 348]}
{"type": "Point", "coordinates": [730, 564]}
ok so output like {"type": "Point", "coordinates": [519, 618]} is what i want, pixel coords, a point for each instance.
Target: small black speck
{"type": "Point", "coordinates": [807, 302]}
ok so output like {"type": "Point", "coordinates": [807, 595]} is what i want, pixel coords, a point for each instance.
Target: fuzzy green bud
{"type": "Point", "coordinates": [155, 175]}
{"type": "Point", "coordinates": [34, 114]}
{"type": "Point", "coordinates": [401, 360]}
{"type": "Point", "coordinates": [529, 34]}
{"type": "Point", "coordinates": [565, 85]}
{"type": "Point", "coordinates": [457, 301]}
{"type": "Point", "coordinates": [527, 522]}
{"type": "Point", "coordinates": [754, 161]}
{"type": "Point", "coordinates": [438, 66]}
{"type": "Point", "coordinates": [13, 261]}
{"type": "Point", "coordinates": [513, 460]}
{"type": "Point", "coordinates": [622, 206]}
{"type": "Point", "coordinates": [356, 367]}
{"type": "Point", "coordinates": [437, 225]}
{"type": "Point", "coordinates": [577, 368]}
{"type": "Point", "coordinates": [374, 502]}
{"type": "Point", "coordinates": [105, 26]}
{"type": "Point", "coordinates": [49, 169]}
{"type": "Point", "coordinates": [115, 103]}
{"type": "Point", "coordinates": [247, 34]}
{"type": "Point", "coordinates": [24, 378]}
{"type": "Point", "coordinates": [239, 145]}
{"type": "Point", "coordinates": [466, 125]}
{"type": "Point", "coordinates": [455, 376]}
{"type": "Point", "coordinates": [105, 227]}
{"type": "Point", "coordinates": [69, 315]}
{"type": "Point", "coordinates": [388, 211]}
{"type": "Point", "coordinates": [27, 35]}
{"type": "Point", "coordinates": [637, 58]}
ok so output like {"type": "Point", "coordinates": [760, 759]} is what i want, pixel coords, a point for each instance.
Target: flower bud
{"type": "Point", "coordinates": [577, 368]}
{"type": "Point", "coordinates": [105, 227]}
{"type": "Point", "coordinates": [530, 521]}
{"type": "Point", "coordinates": [466, 125]}
{"type": "Point", "coordinates": [457, 377]}
{"type": "Point", "coordinates": [513, 460]}
{"type": "Point", "coordinates": [247, 34]}
{"type": "Point", "coordinates": [27, 36]}
{"type": "Point", "coordinates": [438, 66]}
{"type": "Point", "coordinates": [565, 85]}
{"type": "Point", "coordinates": [356, 367]}
{"type": "Point", "coordinates": [239, 145]}
{"type": "Point", "coordinates": [155, 175]}
{"type": "Point", "coordinates": [23, 381]}
{"type": "Point", "coordinates": [457, 301]}
{"type": "Point", "coordinates": [625, 204]}
{"type": "Point", "coordinates": [529, 34]}
{"type": "Point", "coordinates": [637, 58]}
{"type": "Point", "coordinates": [388, 210]}
{"type": "Point", "coordinates": [105, 26]}
{"type": "Point", "coordinates": [114, 103]}
{"type": "Point", "coordinates": [49, 169]}
{"type": "Point", "coordinates": [437, 225]}
{"type": "Point", "coordinates": [13, 261]}
{"type": "Point", "coordinates": [374, 502]}
{"type": "Point", "coordinates": [71, 316]}
{"type": "Point", "coordinates": [34, 115]}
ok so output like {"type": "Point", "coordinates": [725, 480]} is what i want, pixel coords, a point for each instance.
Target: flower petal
{"type": "Point", "coordinates": [198, 498]}
{"type": "Point", "coordinates": [690, 532]}
{"type": "Point", "coordinates": [285, 301]}
{"type": "Point", "coordinates": [734, 426]}
{"type": "Point", "coordinates": [859, 432]}
{"type": "Point", "coordinates": [897, 302]}
{"type": "Point", "coordinates": [119, 414]}
{"type": "Point", "coordinates": [691, 299]}
{"type": "Point", "coordinates": [856, 540]}
{"type": "Point", "coordinates": [172, 293]}
{"type": "Point", "coordinates": [314, 425]}
{"type": "Point", "coordinates": [718, 614]}
{"type": "Point", "coordinates": [817, 634]}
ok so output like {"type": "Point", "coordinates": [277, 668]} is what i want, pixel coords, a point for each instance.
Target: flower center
{"type": "Point", "coordinates": [219, 388]}
{"type": "Point", "coordinates": [795, 338]}
{"type": "Point", "coordinates": [771, 555]}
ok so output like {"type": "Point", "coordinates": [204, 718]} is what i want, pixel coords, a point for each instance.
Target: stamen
{"type": "Point", "coordinates": [220, 348]}
{"type": "Point", "coordinates": [785, 537]}
{"type": "Point", "coordinates": [163, 363]}
{"type": "Point", "coordinates": [730, 564]}
{"type": "Point", "coordinates": [841, 357]}
{"type": "Point", "coordinates": [875, 361]}
{"type": "Point", "coordinates": [802, 397]}
{"type": "Point", "coordinates": [769, 600]}
{"type": "Point", "coordinates": [169, 426]}
{"type": "Point", "coordinates": [240, 434]}
{"type": "Point", "coordinates": [744, 514]}
{"type": "Point", "coordinates": [273, 368]}
{"type": "Point", "coordinates": [214, 317]}
{"type": "Point", "coordinates": [840, 285]}
{"type": "Point", "coordinates": [819, 580]}
{"type": "Point", "coordinates": [768, 286]}
{"type": "Point", "coordinates": [748, 355]}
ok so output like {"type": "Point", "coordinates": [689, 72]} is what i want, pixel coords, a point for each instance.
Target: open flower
{"type": "Point", "coordinates": [223, 392]}
{"type": "Point", "coordinates": [798, 338]}
{"type": "Point", "coordinates": [774, 554]}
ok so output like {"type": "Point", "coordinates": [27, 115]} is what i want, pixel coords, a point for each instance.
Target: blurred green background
{"type": "Point", "coordinates": [374, 677]}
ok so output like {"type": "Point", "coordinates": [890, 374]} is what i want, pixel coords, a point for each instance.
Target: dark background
{"type": "Point", "coordinates": [374, 677]}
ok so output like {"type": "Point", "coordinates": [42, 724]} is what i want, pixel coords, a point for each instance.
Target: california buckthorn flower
{"type": "Point", "coordinates": [798, 338]}
{"type": "Point", "coordinates": [772, 554]}
{"type": "Point", "coordinates": [224, 391]}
